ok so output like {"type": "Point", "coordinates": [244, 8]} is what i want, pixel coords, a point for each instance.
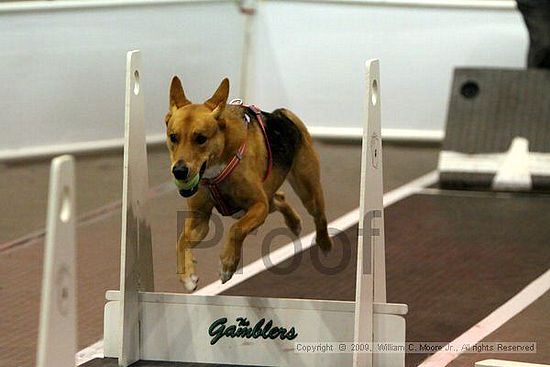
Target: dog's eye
{"type": "Point", "coordinates": [200, 139]}
{"type": "Point", "coordinates": [173, 138]}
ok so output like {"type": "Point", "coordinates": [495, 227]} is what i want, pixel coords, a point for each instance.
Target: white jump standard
{"type": "Point", "coordinates": [141, 324]}
{"type": "Point", "coordinates": [57, 331]}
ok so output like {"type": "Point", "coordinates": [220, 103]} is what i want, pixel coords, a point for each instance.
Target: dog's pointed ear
{"type": "Point", "coordinates": [218, 101]}
{"type": "Point", "coordinates": [177, 95]}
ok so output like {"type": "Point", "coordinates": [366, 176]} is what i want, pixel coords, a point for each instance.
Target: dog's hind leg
{"type": "Point", "coordinates": [292, 219]}
{"type": "Point", "coordinates": [305, 179]}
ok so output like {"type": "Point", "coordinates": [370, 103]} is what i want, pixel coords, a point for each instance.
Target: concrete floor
{"type": "Point", "coordinates": [23, 191]}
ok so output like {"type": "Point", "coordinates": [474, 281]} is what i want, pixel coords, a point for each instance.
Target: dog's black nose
{"type": "Point", "coordinates": [180, 171]}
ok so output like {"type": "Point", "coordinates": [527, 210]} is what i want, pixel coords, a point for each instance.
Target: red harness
{"type": "Point", "coordinates": [213, 183]}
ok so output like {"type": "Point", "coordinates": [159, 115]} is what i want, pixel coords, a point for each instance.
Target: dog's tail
{"type": "Point", "coordinates": [296, 120]}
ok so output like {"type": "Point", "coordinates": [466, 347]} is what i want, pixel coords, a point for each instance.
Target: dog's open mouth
{"type": "Point", "coordinates": [189, 187]}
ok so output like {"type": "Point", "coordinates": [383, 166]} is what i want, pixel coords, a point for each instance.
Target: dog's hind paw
{"type": "Point", "coordinates": [325, 244]}
{"type": "Point", "coordinates": [190, 282]}
{"type": "Point", "coordinates": [295, 227]}
{"type": "Point", "coordinates": [225, 276]}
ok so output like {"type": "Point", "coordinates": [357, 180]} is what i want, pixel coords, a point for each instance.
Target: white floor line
{"type": "Point", "coordinates": [492, 322]}
{"type": "Point", "coordinates": [276, 257]}
{"type": "Point", "coordinates": [411, 188]}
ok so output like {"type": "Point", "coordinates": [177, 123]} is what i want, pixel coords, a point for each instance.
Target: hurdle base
{"type": "Point", "coordinates": [175, 328]}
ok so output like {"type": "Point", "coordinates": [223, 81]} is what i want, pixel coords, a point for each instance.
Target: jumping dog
{"type": "Point", "coordinates": [234, 158]}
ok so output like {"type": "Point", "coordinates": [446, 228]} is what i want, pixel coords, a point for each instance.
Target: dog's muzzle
{"type": "Point", "coordinates": [189, 187]}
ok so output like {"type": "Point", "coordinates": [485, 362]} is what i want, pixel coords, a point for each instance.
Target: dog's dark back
{"type": "Point", "coordinates": [284, 137]}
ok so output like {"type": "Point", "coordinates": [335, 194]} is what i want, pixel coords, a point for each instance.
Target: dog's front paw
{"type": "Point", "coordinates": [189, 281]}
{"type": "Point", "coordinates": [227, 269]}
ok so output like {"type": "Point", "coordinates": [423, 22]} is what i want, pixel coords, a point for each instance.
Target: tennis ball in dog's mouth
{"type": "Point", "coordinates": [188, 184]}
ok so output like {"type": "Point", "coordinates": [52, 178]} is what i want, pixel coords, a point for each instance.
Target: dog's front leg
{"type": "Point", "coordinates": [195, 229]}
{"type": "Point", "coordinates": [231, 254]}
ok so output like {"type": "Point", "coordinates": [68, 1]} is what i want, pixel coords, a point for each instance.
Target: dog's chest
{"type": "Point", "coordinates": [225, 200]}
{"type": "Point", "coordinates": [213, 171]}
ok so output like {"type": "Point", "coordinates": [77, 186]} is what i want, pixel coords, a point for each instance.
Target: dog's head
{"type": "Point", "coordinates": [194, 134]}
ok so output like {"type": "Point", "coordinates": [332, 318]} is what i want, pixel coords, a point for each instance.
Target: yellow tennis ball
{"type": "Point", "coordinates": [187, 184]}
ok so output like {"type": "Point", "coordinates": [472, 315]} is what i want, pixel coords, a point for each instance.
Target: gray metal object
{"type": "Point", "coordinates": [489, 109]}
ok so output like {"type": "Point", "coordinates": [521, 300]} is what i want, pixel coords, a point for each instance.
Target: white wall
{"type": "Point", "coordinates": [62, 70]}
{"type": "Point", "coordinates": [62, 62]}
{"type": "Point", "coordinates": [309, 56]}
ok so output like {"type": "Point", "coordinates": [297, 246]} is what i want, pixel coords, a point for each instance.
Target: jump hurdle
{"type": "Point", "coordinates": [141, 324]}
{"type": "Point", "coordinates": [57, 331]}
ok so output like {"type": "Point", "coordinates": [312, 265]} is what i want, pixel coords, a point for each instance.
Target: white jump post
{"type": "Point", "coordinates": [136, 259]}
{"type": "Point", "coordinates": [147, 325]}
{"type": "Point", "coordinates": [371, 271]}
{"type": "Point", "coordinates": [57, 330]}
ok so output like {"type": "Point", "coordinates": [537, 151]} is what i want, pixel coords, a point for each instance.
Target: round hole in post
{"type": "Point", "coordinates": [374, 92]}
{"type": "Point", "coordinates": [65, 211]}
{"type": "Point", "coordinates": [136, 82]}
{"type": "Point", "coordinates": [469, 89]}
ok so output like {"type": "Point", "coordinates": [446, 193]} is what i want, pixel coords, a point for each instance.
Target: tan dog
{"type": "Point", "coordinates": [204, 139]}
